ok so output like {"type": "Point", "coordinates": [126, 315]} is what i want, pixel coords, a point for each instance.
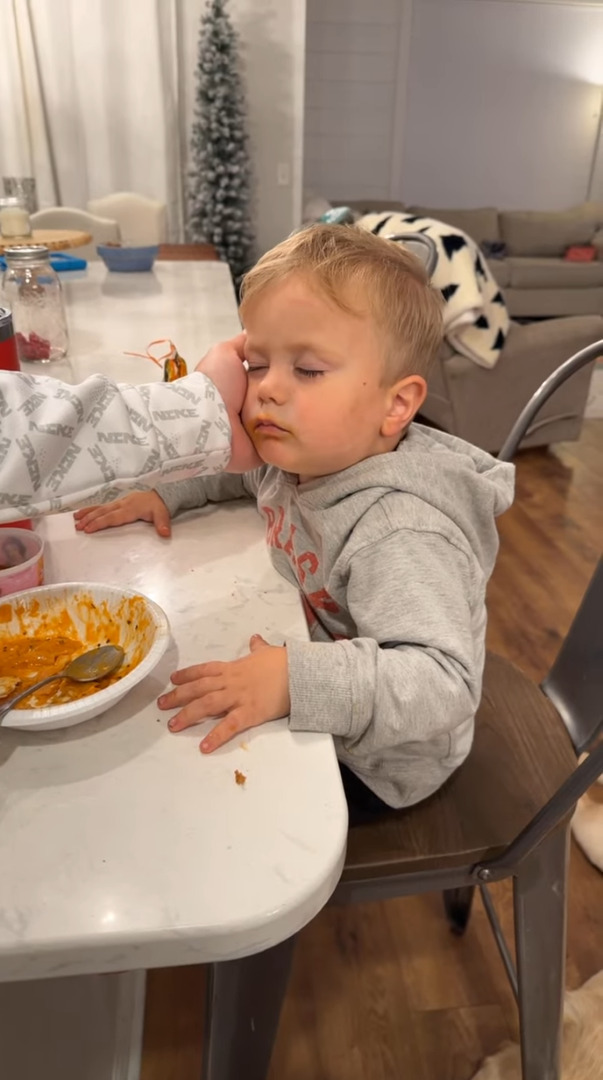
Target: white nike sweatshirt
{"type": "Point", "coordinates": [61, 445]}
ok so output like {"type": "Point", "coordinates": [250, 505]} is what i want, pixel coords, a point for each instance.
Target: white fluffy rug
{"type": "Point", "coordinates": [587, 824]}
{"type": "Point", "coordinates": [582, 1057]}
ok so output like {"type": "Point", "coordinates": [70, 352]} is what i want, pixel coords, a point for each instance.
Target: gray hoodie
{"type": "Point", "coordinates": [392, 557]}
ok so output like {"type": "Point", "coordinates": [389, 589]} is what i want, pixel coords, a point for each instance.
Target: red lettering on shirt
{"type": "Point", "coordinates": [304, 564]}
{"type": "Point", "coordinates": [269, 512]}
{"type": "Point", "coordinates": [277, 528]}
{"type": "Point", "coordinates": [322, 601]}
{"type": "Point", "coordinates": [288, 548]}
{"type": "Point", "coordinates": [274, 525]}
{"type": "Point", "coordinates": [308, 559]}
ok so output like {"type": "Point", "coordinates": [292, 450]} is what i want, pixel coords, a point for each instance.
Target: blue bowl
{"type": "Point", "coordinates": [128, 260]}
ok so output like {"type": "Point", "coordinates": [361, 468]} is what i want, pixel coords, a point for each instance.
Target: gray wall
{"type": "Point", "coordinates": [454, 102]}
{"type": "Point", "coordinates": [503, 102]}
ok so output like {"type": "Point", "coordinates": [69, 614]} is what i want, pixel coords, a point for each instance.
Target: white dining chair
{"type": "Point", "coordinates": [101, 229]}
{"type": "Point", "coordinates": [141, 220]}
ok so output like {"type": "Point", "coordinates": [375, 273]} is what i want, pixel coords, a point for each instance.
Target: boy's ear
{"type": "Point", "coordinates": [403, 401]}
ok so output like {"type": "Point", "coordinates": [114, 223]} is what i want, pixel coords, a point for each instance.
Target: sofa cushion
{"type": "Point", "coordinates": [500, 270]}
{"type": "Point", "coordinates": [593, 211]}
{"type": "Point", "coordinates": [370, 206]}
{"type": "Point", "coordinates": [481, 224]}
{"type": "Point", "coordinates": [539, 233]}
{"type": "Point", "coordinates": [554, 274]}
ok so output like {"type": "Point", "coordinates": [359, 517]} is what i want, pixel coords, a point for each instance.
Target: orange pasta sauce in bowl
{"type": "Point", "coordinates": [42, 629]}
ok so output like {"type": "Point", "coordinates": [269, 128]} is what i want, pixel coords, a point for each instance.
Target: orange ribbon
{"type": "Point", "coordinates": [174, 366]}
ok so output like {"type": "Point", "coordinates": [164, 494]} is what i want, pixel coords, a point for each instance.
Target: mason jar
{"type": "Point", "coordinates": [24, 188]}
{"type": "Point", "coordinates": [32, 290]}
{"type": "Point", "coordinates": [14, 218]}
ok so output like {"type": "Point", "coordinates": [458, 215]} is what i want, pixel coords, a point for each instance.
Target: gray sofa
{"type": "Point", "coordinates": [481, 404]}
{"type": "Point", "coordinates": [536, 280]}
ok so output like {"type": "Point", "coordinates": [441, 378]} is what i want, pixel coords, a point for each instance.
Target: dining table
{"type": "Point", "coordinates": [53, 239]}
{"type": "Point", "coordinates": [122, 847]}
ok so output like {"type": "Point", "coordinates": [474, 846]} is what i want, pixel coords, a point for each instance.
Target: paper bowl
{"type": "Point", "coordinates": [94, 615]}
{"type": "Point", "coordinates": [128, 260]}
{"type": "Point", "coordinates": [28, 548]}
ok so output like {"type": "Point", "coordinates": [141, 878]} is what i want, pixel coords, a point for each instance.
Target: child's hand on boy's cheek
{"type": "Point", "coordinates": [245, 692]}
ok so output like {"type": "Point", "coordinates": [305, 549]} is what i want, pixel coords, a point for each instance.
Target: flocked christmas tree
{"type": "Point", "coordinates": [220, 175]}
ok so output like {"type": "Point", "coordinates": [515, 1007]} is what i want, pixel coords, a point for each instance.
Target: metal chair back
{"type": "Point", "coordinates": [575, 682]}
{"type": "Point", "coordinates": [521, 426]}
{"type": "Point", "coordinates": [422, 246]}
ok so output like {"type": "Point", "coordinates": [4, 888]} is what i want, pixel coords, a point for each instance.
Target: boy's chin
{"type": "Point", "coordinates": [273, 455]}
{"type": "Point", "coordinates": [282, 457]}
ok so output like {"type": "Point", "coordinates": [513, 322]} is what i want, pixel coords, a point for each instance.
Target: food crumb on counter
{"type": "Point", "coordinates": [240, 777]}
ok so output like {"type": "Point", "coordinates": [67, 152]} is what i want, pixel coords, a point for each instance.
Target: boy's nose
{"type": "Point", "coordinates": [272, 387]}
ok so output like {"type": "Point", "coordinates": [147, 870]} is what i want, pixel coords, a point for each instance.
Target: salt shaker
{"type": "Point", "coordinates": [32, 290]}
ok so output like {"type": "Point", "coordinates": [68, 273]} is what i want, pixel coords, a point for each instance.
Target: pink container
{"type": "Point", "coordinates": [21, 560]}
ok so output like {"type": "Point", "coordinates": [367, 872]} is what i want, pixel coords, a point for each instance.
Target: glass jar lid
{"type": "Point", "coordinates": [11, 200]}
{"type": "Point", "coordinates": [27, 253]}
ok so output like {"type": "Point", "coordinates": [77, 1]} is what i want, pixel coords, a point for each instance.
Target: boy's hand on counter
{"type": "Point", "coordinates": [245, 693]}
{"type": "Point", "coordinates": [138, 506]}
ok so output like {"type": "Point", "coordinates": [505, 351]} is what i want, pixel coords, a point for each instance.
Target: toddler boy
{"type": "Point", "coordinates": [386, 527]}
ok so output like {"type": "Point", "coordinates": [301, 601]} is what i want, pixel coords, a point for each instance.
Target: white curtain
{"type": "Point", "coordinates": [90, 98]}
{"type": "Point", "coordinates": [97, 96]}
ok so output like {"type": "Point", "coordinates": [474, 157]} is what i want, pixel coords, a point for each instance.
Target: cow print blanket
{"type": "Point", "coordinates": [476, 320]}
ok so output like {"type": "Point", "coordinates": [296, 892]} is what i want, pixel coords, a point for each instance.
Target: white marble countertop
{"type": "Point", "coordinates": [121, 846]}
{"type": "Point", "coordinates": [108, 315]}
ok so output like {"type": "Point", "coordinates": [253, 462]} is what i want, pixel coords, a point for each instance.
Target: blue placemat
{"type": "Point", "coordinates": [59, 260]}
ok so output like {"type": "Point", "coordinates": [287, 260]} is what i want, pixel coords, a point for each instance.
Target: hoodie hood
{"type": "Point", "coordinates": [444, 477]}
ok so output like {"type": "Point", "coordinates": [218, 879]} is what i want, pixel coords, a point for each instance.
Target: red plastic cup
{"type": "Point", "coordinates": [9, 361]}
{"type": "Point", "coordinates": [9, 358]}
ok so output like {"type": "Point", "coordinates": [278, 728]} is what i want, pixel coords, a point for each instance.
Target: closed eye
{"type": "Point", "coordinates": [306, 373]}
{"type": "Point", "coordinates": [309, 373]}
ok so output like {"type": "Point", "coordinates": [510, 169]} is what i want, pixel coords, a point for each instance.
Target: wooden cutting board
{"type": "Point", "coordinates": [54, 239]}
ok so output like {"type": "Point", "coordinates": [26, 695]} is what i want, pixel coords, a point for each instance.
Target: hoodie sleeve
{"type": "Point", "coordinates": [197, 492]}
{"type": "Point", "coordinates": [61, 445]}
{"type": "Point", "coordinates": [414, 670]}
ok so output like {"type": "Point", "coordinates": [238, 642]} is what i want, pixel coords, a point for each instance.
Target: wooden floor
{"type": "Point", "coordinates": [384, 991]}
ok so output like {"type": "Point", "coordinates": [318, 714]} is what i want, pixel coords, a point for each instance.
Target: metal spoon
{"type": "Point", "coordinates": [91, 665]}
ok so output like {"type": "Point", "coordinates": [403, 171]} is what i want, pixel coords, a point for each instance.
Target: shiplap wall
{"type": "Point", "coordinates": [453, 102]}
{"type": "Point", "coordinates": [503, 103]}
{"type": "Point", "coordinates": [352, 55]}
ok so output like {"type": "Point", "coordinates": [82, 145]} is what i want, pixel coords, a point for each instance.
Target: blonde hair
{"type": "Point", "coordinates": [392, 281]}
